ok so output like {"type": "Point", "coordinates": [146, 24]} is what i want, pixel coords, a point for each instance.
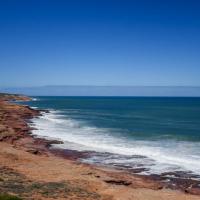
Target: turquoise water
{"type": "Point", "coordinates": [162, 134]}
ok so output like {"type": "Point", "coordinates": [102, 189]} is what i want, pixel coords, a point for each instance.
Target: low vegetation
{"type": "Point", "coordinates": [15, 183]}
{"type": "Point", "coordinates": [9, 197]}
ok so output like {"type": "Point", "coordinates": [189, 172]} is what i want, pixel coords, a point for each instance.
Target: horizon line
{"type": "Point", "coordinates": [100, 86]}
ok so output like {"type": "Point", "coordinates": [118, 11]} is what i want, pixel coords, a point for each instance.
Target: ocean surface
{"type": "Point", "coordinates": [156, 135]}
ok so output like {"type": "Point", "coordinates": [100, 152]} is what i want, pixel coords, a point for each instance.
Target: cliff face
{"type": "Point", "coordinates": [13, 117]}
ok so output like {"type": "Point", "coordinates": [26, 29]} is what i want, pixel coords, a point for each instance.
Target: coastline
{"type": "Point", "coordinates": [34, 162]}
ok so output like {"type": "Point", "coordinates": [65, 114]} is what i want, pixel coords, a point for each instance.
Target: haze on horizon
{"type": "Point", "coordinates": [99, 42]}
{"type": "Point", "coordinates": [135, 91]}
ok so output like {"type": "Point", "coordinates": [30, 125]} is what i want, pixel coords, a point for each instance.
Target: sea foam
{"type": "Point", "coordinates": [155, 156]}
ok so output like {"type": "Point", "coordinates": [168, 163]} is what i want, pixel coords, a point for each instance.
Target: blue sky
{"type": "Point", "coordinates": [99, 42]}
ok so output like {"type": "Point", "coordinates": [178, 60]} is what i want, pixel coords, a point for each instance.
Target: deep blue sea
{"type": "Point", "coordinates": [160, 134]}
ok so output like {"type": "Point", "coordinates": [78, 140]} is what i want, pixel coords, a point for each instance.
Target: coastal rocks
{"type": "Point", "coordinates": [34, 151]}
{"type": "Point", "coordinates": [180, 180]}
{"type": "Point", "coordinates": [70, 154]}
{"type": "Point", "coordinates": [46, 143]}
{"type": "Point", "coordinates": [118, 182]}
{"type": "Point", "coordinates": [13, 97]}
{"type": "Point", "coordinates": [13, 118]}
{"type": "Point", "coordinates": [14, 128]}
{"type": "Point", "coordinates": [195, 190]}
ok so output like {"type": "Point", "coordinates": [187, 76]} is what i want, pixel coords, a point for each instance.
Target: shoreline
{"type": "Point", "coordinates": [16, 137]}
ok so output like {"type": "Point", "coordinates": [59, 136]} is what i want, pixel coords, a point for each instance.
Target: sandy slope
{"type": "Point", "coordinates": [48, 168]}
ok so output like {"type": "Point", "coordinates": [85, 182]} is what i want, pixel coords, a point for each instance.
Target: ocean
{"type": "Point", "coordinates": [152, 135]}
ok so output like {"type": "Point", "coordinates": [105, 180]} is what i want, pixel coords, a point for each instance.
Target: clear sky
{"type": "Point", "coordinates": [99, 42]}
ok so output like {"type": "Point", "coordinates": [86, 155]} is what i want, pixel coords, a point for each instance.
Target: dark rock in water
{"type": "Point", "coordinates": [179, 174]}
{"type": "Point", "coordinates": [50, 142]}
{"type": "Point", "coordinates": [45, 142]}
{"type": "Point", "coordinates": [44, 111]}
{"type": "Point", "coordinates": [138, 170]}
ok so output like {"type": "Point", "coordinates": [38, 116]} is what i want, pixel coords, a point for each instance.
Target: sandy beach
{"type": "Point", "coordinates": [29, 169]}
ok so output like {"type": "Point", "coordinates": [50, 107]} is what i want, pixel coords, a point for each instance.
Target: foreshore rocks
{"type": "Point", "coordinates": [14, 126]}
{"type": "Point", "coordinates": [13, 118]}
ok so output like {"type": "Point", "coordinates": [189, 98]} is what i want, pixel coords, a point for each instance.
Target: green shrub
{"type": "Point", "coordinates": [8, 197]}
